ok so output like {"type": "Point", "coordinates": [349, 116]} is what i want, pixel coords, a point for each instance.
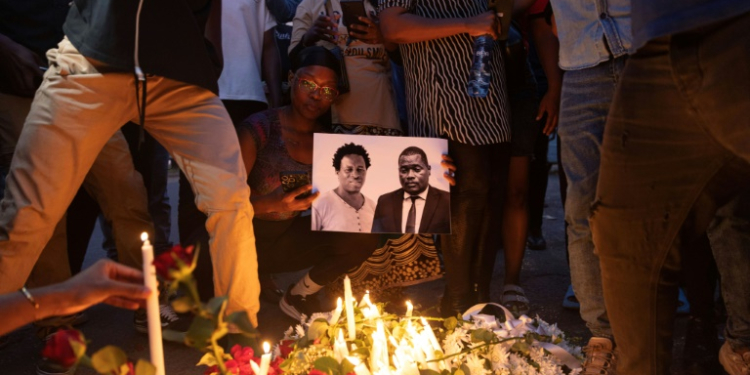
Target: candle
{"type": "Point", "coordinates": [336, 313]}
{"type": "Point", "coordinates": [431, 335]}
{"type": "Point", "coordinates": [365, 300]}
{"type": "Point", "coordinates": [409, 308]}
{"type": "Point", "coordinates": [349, 300]}
{"type": "Point", "coordinates": [265, 359]}
{"type": "Point", "coordinates": [359, 367]}
{"type": "Point", "coordinates": [152, 306]}
{"type": "Point", "coordinates": [339, 347]}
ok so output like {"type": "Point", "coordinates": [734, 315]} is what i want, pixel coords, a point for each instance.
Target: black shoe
{"type": "Point", "coordinates": [534, 242]}
{"type": "Point", "coordinates": [296, 305]}
{"type": "Point", "coordinates": [169, 319]}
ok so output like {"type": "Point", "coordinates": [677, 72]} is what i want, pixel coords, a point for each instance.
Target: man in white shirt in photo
{"type": "Point", "coordinates": [345, 208]}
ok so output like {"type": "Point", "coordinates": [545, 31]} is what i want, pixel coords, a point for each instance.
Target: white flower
{"type": "Point", "coordinates": [299, 330]}
{"type": "Point", "coordinates": [475, 363]}
{"type": "Point", "coordinates": [499, 358]}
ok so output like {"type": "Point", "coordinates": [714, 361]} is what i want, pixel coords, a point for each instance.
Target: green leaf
{"type": "Point", "coordinates": [482, 335]}
{"type": "Point", "coordinates": [199, 333]}
{"type": "Point", "coordinates": [242, 322]}
{"type": "Point", "coordinates": [317, 329]}
{"type": "Point", "coordinates": [144, 367]}
{"type": "Point", "coordinates": [108, 359]}
{"type": "Point", "coordinates": [428, 372]}
{"type": "Point", "coordinates": [215, 304]}
{"type": "Point", "coordinates": [208, 360]}
{"type": "Point", "coordinates": [327, 365]}
{"type": "Point", "coordinates": [458, 372]}
{"type": "Point", "coordinates": [173, 336]}
{"type": "Point", "coordinates": [520, 347]}
{"type": "Point", "coordinates": [182, 305]}
{"type": "Point", "coordinates": [346, 367]}
{"type": "Point", "coordinates": [79, 348]}
{"type": "Point", "coordinates": [450, 323]}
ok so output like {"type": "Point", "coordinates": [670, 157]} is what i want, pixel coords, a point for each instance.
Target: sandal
{"type": "Point", "coordinates": [515, 300]}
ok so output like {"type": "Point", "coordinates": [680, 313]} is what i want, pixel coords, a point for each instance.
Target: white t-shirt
{"type": "Point", "coordinates": [243, 23]}
{"type": "Point", "coordinates": [370, 100]}
{"type": "Point", "coordinates": [331, 213]}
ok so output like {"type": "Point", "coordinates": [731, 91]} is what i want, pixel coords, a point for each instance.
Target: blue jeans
{"type": "Point", "coordinates": [586, 98]}
{"type": "Point", "coordinates": [674, 164]}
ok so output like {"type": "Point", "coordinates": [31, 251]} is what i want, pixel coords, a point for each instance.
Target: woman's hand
{"type": "Point", "coordinates": [369, 32]}
{"type": "Point", "coordinates": [322, 29]}
{"type": "Point", "coordinates": [550, 105]}
{"type": "Point", "coordinates": [450, 173]}
{"type": "Point", "coordinates": [106, 281]}
{"type": "Point", "coordinates": [289, 201]}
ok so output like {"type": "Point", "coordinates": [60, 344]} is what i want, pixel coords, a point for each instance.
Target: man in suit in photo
{"type": "Point", "coordinates": [417, 207]}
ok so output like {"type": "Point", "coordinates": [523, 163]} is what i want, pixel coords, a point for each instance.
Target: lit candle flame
{"type": "Point", "coordinates": [144, 237]}
{"type": "Point", "coordinates": [266, 347]}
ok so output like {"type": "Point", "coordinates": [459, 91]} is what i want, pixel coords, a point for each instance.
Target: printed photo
{"type": "Point", "coordinates": [379, 184]}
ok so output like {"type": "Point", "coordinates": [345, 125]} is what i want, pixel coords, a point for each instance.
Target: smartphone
{"type": "Point", "coordinates": [353, 9]}
{"type": "Point", "coordinates": [506, 8]}
{"type": "Point", "coordinates": [292, 180]}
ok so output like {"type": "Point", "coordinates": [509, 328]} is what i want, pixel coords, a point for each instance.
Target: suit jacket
{"type": "Point", "coordinates": [435, 217]}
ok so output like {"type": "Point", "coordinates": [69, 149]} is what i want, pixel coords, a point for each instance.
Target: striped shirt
{"type": "Point", "coordinates": [437, 72]}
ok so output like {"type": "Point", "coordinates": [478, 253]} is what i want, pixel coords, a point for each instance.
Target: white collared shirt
{"type": "Point", "coordinates": [419, 204]}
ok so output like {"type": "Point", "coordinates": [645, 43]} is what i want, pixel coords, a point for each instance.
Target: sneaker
{"type": "Point", "coordinates": [47, 367]}
{"type": "Point", "coordinates": [600, 357]}
{"type": "Point", "coordinates": [169, 318]}
{"type": "Point", "coordinates": [296, 305]}
{"type": "Point", "coordinates": [734, 363]}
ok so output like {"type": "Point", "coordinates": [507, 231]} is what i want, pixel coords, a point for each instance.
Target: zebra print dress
{"type": "Point", "coordinates": [436, 73]}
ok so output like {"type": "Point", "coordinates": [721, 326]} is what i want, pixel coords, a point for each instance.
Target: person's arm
{"type": "Point", "coordinates": [370, 32]}
{"type": "Point", "coordinates": [399, 26]}
{"type": "Point", "coordinates": [270, 68]}
{"type": "Point", "coordinates": [213, 29]}
{"type": "Point", "coordinates": [105, 281]}
{"type": "Point", "coordinates": [277, 201]}
{"type": "Point", "coordinates": [548, 49]}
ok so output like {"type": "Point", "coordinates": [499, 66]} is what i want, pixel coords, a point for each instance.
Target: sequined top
{"type": "Point", "coordinates": [272, 159]}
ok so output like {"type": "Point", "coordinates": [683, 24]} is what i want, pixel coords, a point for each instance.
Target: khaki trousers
{"type": "Point", "coordinates": [75, 112]}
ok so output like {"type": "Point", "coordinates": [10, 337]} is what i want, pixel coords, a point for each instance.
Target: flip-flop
{"type": "Point", "coordinates": [514, 299]}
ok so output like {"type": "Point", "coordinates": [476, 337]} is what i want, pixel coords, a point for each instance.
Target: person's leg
{"type": "Point", "coordinates": [659, 181]}
{"type": "Point", "coordinates": [193, 125]}
{"type": "Point", "coordinates": [468, 200]}
{"type": "Point", "coordinates": [121, 197]}
{"type": "Point", "coordinates": [538, 179]}
{"type": "Point", "coordinates": [75, 112]}
{"type": "Point", "coordinates": [13, 112]}
{"type": "Point", "coordinates": [585, 102]}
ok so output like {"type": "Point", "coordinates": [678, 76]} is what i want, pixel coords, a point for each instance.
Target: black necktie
{"type": "Point", "coordinates": [411, 221]}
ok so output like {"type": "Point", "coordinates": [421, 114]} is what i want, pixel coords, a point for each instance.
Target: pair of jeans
{"type": "Point", "coordinates": [586, 98]}
{"type": "Point", "coordinates": [676, 152]}
{"type": "Point", "coordinates": [75, 112]}
{"type": "Point", "coordinates": [476, 213]}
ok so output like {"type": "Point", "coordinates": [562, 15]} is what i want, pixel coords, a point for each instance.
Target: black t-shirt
{"type": "Point", "coordinates": [171, 39]}
{"type": "Point", "coordinates": [34, 24]}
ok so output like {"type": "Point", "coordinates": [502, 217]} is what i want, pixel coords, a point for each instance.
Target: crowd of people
{"type": "Point", "coordinates": [648, 100]}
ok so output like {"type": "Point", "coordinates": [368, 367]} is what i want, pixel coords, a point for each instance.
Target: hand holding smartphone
{"type": "Point", "coordinates": [292, 180]}
{"type": "Point", "coordinates": [353, 9]}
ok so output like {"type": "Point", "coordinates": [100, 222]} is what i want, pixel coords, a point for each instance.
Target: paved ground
{"type": "Point", "coordinates": [545, 278]}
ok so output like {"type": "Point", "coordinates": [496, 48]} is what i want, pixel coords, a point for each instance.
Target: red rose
{"type": "Point", "coordinates": [285, 347]}
{"type": "Point", "coordinates": [242, 355]}
{"type": "Point", "coordinates": [58, 348]}
{"type": "Point", "coordinates": [166, 262]}
{"type": "Point", "coordinates": [131, 369]}
{"type": "Point", "coordinates": [316, 372]}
